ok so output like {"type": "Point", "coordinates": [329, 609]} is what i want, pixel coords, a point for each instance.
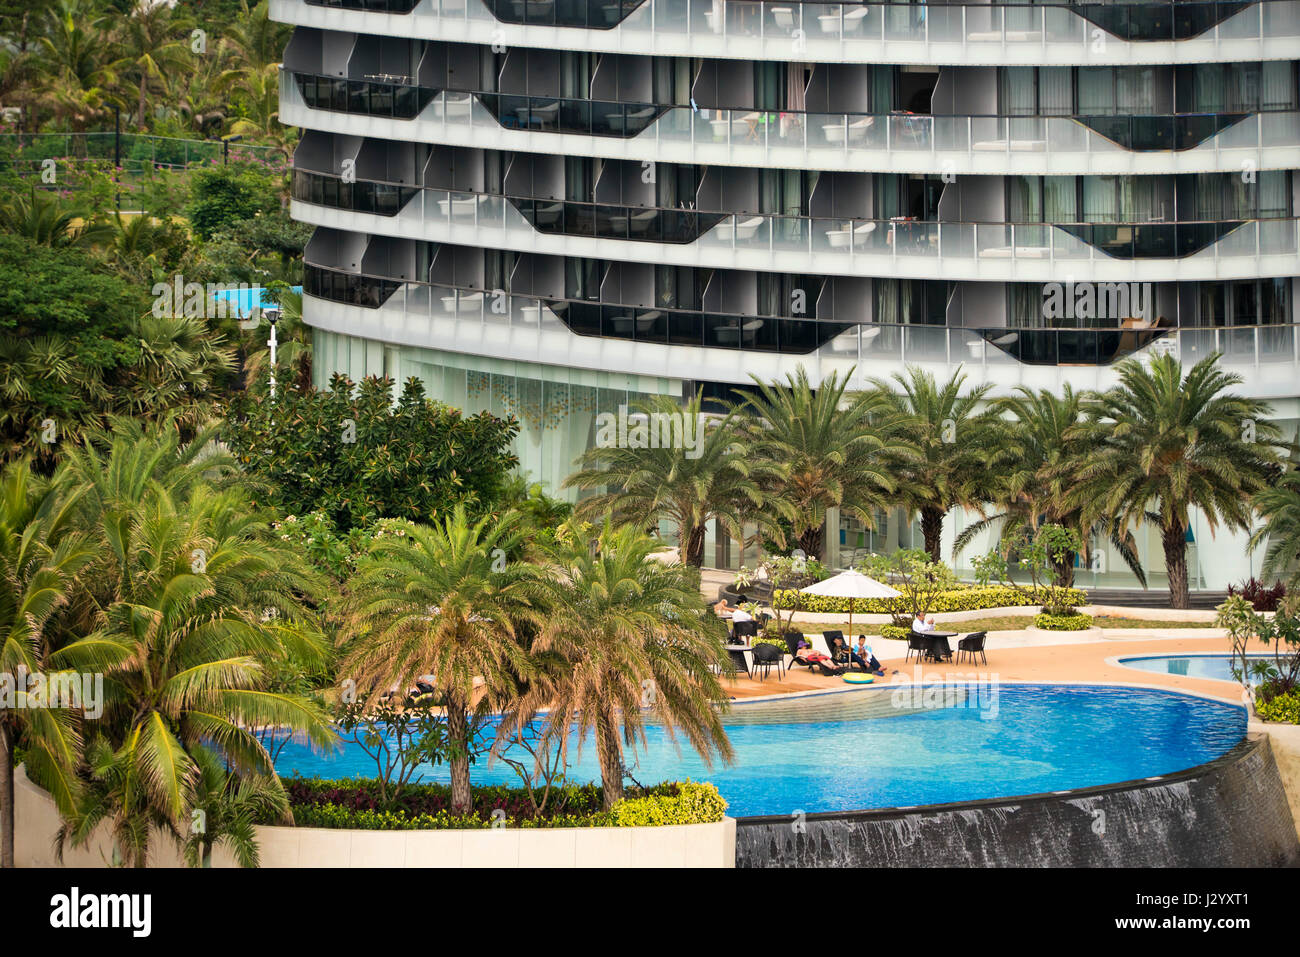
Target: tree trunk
{"type": "Point", "coordinates": [462, 800]}
{"type": "Point", "coordinates": [691, 546]}
{"type": "Point", "coordinates": [812, 541]}
{"type": "Point", "coordinates": [1063, 571]}
{"type": "Point", "coordinates": [1175, 541]}
{"type": "Point", "coordinates": [6, 797]}
{"type": "Point", "coordinates": [932, 531]}
{"type": "Point", "coordinates": [611, 759]}
{"type": "Point", "coordinates": [144, 87]}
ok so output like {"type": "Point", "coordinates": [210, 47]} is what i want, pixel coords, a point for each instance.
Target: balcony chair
{"type": "Point", "coordinates": [972, 645]}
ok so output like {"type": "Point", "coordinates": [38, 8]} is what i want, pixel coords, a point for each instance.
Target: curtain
{"type": "Point", "coordinates": [1059, 200]}
{"type": "Point", "coordinates": [1135, 89]}
{"type": "Point", "coordinates": [1096, 91]}
{"type": "Point", "coordinates": [886, 300]}
{"type": "Point", "coordinates": [882, 89]}
{"type": "Point", "coordinates": [1024, 199]}
{"type": "Point", "coordinates": [1055, 91]}
{"type": "Point", "coordinates": [1024, 305]}
{"type": "Point", "coordinates": [1100, 199]}
{"type": "Point", "coordinates": [1019, 91]}
{"type": "Point", "coordinates": [1277, 86]}
{"type": "Point", "coordinates": [1272, 202]}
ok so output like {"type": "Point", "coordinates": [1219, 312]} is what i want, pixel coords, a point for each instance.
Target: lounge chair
{"type": "Point", "coordinates": [836, 645]}
{"type": "Point", "coordinates": [972, 645]}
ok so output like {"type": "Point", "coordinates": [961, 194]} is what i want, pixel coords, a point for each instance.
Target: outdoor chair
{"type": "Point", "coordinates": [918, 645]}
{"type": "Point", "coordinates": [972, 645]}
{"type": "Point", "coordinates": [836, 646]}
{"type": "Point", "coordinates": [765, 656]}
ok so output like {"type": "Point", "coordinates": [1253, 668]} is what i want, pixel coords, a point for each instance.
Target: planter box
{"type": "Point", "coordinates": [690, 845]}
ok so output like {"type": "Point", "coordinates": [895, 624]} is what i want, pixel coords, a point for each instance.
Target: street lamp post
{"type": "Point", "coordinates": [272, 316]}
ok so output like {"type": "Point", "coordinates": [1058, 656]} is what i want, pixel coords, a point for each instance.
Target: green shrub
{"type": "Point", "coordinates": [355, 805]}
{"type": "Point", "coordinates": [977, 598]}
{"type": "Point", "coordinates": [895, 632]}
{"type": "Point", "coordinates": [1062, 622]}
{"type": "Point", "coordinates": [1282, 708]}
{"type": "Point", "coordinates": [694, 803]}
{"type": "Point", "coordinates": [772, 640]}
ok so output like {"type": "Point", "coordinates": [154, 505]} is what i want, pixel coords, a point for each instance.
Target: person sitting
{"type": "Point", "coordinates": [722, 609]}
{"type": "Point", "coordinates": [865, 659]}
{"type": "Point", "coordinates": [923, 625]}
{"type": "Point", "coordinates": [822, 661]}
{"type": "Point", "coordinates": [739, 615]}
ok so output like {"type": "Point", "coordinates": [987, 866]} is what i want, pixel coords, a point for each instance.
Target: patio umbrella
{"type": "Point", "coordinates": [851, 585]}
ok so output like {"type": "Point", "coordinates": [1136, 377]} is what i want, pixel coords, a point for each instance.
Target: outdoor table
{"type": "Point", "coordinates": [737, 653]}
{"type": "Point", "coordinates": [939, 647]}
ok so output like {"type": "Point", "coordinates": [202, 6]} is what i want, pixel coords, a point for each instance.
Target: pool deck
{"type": "Point", "coordinates": [1025, 656]}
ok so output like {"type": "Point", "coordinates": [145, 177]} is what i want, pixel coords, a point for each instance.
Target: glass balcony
{"type": "Point", "coordinates": [721, 236]}
{"type": "Point", "coordinates": [371, 97]}
{"type": "Point", "coordinates": [1249, 346]}
{"type": "Point", "coordinates": [865, 27]}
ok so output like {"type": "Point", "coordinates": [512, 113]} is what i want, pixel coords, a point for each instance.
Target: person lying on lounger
{"type": "Point", "coordinates": [822, 661]}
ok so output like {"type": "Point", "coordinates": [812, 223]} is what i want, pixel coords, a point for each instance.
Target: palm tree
{"type": "Point", "coordinates": [1034, 476]}
{"type": "Point", "coordinates": [1166, 442]}
{"type": "Point", "coordinates": [958, 446]}
{"type": "Point", "coordinates": [39, 558]}
{"type": "Point", "coordinates": [1279, 506]}
{"type": "Point", "coordinates": [231, 806]}
{"type": "Point", "coordinates": [625, 638]}
{"type": "Point", "coordinates": [183, 641]}
{"type": "Point", "coordinates": [77, 66]}
{"type": "Point", "coordinates": [444, 601]}
{"type": "Point", "coordinates": [49, 220]}
{"type": "Point", "coordinates": [151, 46]}
{"type": "Point", "coordinates": [826, 449]}
{"type": "Point", "coordinates": [708, 475]}
{"type": "Point", "coordinates": [180, 362]}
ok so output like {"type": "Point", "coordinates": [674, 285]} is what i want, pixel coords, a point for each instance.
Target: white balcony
{"type": "Point", "coordinates": [831, 33]}
{"type": "Point", "coordinates": [955, 145]}
{"type": "Point", "coordinates": [956, 251]}
{"type": "Point", "coordinates": [524, 329]}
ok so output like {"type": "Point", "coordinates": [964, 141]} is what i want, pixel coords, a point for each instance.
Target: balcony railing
{"type": "Point", "coordinates": [1248, 346]}
{"type": "Point", "coordinates": [370, 97]}
{"type": "Point", "coordinates": [843, 133]}
{"type": "Point", "coordinates": [899, 237]}
{"type": "Point", "coordinates": [877, 23]}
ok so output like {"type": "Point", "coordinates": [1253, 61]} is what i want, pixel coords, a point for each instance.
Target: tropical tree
{"type": "Point", "coordinates": [227, 809]}
{"type": "Point", "coordinates": [955, 442]}
{"type": "Point", "coordinates": [625, 639]}
{"type": "Point", "coordinates": [1279, 506]}
{"type": "Point", "coordinates": [198, 590]}
{"type": "Point", "coordinates": [151, 45]}
{"type": "Point", "coordinates": [444, 601]}
{"type": "Point", "coordinates": [1164, 442]}
{"type": "Point", "coordinates": [77, 65]}
{"type": "Point", "coordinates": [702, 472]}
{"type": "Point", "coordinates": [50, 220]}
{"type": "Point", "coordinates": [40, 556]}
{"type": "Point", "coordinates": [1030, 484]}
{"type": "Point", "coordinates": [824, 449]}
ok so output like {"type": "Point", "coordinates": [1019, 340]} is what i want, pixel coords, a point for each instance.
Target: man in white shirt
{"type": "Point", "coordinates": [740, 615]}
{"type": "Point", "coordinates": [922, 625]}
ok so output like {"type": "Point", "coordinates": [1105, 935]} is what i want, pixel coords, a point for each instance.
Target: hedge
{"type": "Point", "coordinates": [896, 632]}
{"type": "Point", "coordinates": [354, 805]}
{"type": "Point", "coordinates": [1062, 622]}
{"type": "Point", "coordinates": [1282, 708]}
{"type": "Point", "coordinates": [975, 598]}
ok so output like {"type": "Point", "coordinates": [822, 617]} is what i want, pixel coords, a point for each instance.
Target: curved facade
{"type": "Point", "coordinates": [547, 207]}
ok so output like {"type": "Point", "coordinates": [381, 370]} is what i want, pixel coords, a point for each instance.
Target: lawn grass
{"type": "Point", "coordinates": [1005, 623]}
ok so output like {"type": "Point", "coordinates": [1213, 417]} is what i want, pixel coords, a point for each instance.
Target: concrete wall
{"type": "Point", "coordinates": [693, 845]}
{"type": "Point", "coordinates": [1232, 812]}
{"type": "Point", "coordinates": [1284, 739]}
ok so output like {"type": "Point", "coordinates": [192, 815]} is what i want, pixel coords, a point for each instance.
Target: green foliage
{"type": "Point", "coordinates": [228, 195]}
{"type": "Point", "coordinates": [1282, 708]}
{"type": "Point", "coordinates": [1047, 553]}
{"type": "Point", "coordinates": [957, 599]}
{"type": "Point", "coordinates": [895, 632]}
{"type": "Point", "coordinates": [1054, 622]}
{"type": "Point", "coordinates": [692, 804]}
{"type": "Point", "coordinates": [918, 578]}
{"type": "Point", "coordinates": [357, 458]}
{"type": "Point", "coordinates": [350, 804]}
{"type": "Point", "coordinates": [401, 734]}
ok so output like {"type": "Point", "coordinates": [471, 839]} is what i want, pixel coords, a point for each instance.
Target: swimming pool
{"type": "Point", "coordinates": [1216, 667]}
{"type": "Point", "coordinates": [857, 750]}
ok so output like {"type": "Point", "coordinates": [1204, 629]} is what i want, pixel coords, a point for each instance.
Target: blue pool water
{"type": "Point", "coordinates": [1218, 667]}
{"type": "Point", "coordinates": [830, 753]}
